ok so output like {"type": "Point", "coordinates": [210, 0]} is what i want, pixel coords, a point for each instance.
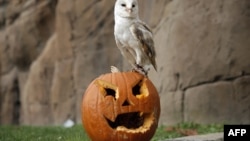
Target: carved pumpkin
{"type": "Point", "coordinates": [121, 106]}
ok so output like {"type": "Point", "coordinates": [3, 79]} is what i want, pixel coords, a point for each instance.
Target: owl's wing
{"type": "Point", "coordinates": [143, 34]}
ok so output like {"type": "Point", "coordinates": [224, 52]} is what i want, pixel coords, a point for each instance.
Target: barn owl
{"type": "Point", "coordinates": [133, 37]}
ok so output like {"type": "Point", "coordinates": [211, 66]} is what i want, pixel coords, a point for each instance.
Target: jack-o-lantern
{"type": "Point", "coordinates": [121, 106]}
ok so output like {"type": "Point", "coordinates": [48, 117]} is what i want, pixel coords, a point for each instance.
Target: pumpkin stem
{"type": "Point", "coordinates": [114, 69]}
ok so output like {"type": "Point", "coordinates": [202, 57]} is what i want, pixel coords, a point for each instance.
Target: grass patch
{"type": "Point", "coordinates": [76, 133]}
{"type": "Point", "coordinates": [32, 133]}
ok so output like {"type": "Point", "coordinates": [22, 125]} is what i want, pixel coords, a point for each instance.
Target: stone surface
{"type": "Point", "coordinates": [219, 100]}
{"type": "Point", "coordinates": [171, 105]}
{"type": "Point", "coordinates": [199, 43]}
{"type": "Point", "coordinates": [10, 107]}
{"type": "Point", "coordinates": [207, 137]}
{"type": "Point", "coordinates": [51, 50]}
{"type": "Point", "coordinates": [37, 91]}
{"type": "Point", "coordinates": [25, 27]}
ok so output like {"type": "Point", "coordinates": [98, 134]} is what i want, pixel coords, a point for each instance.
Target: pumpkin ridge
{"type": "Point", "coordinates": [126, 90]}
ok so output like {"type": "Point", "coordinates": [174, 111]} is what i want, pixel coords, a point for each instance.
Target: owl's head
{"type": "Point", "coordinates": [126, 8]}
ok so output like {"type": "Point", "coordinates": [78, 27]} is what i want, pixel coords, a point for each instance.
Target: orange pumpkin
{"type": "Point", "coordinates": [121, 106]}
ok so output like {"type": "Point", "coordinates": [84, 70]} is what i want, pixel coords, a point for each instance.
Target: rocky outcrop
{"type": "Point", "coordinates": [25, 27]}
{"type": "Point", "coordinates": [81, 49]}
{"type": "Point", "coordinates": [51, 50]}
{"type": "Point", "coordinates": [204, 46]}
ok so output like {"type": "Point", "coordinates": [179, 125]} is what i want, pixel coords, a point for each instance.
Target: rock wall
{"type": "Point", "coordinates": [26, 26]}
{"type": "Point", "coordinates": [51, 50]}
{"type": "Point", "coordinates": [205, 73]}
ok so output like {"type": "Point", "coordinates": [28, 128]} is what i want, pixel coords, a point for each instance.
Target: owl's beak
{"type": "Point", "coordinates": [129, 10]}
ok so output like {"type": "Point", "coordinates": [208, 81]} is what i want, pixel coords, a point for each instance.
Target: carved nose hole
{"type": "Point", "coordinates": [126, 103]}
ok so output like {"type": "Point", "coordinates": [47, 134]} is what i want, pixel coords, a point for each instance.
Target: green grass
{"type": "Point", "coordinates": [30, 133]}
{"type": "Point", "coordinates": [76, 133]}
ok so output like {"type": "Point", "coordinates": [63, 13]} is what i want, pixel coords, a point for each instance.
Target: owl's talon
{"type": "Point", "coordinates": [140, 70]}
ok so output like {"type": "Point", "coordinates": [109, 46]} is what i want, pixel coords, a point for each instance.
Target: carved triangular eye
{"type": "Point", "coordinates": [136, 89]}
{"type": "Point", "coordinates": [107, 89]}
{"type": "Point", "coordinates": [110, 92]}
{"type": "Point", "coordinates": [140, 90]}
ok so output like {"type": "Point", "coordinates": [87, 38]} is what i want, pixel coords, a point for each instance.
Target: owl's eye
{"type": "Point", "coordinates": [133, 5]}
{"type": "Point", "coordinates": [123, 5]}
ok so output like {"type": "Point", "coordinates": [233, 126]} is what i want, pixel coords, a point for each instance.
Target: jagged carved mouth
{"type": "Point", "coordinates": [132, 122]}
